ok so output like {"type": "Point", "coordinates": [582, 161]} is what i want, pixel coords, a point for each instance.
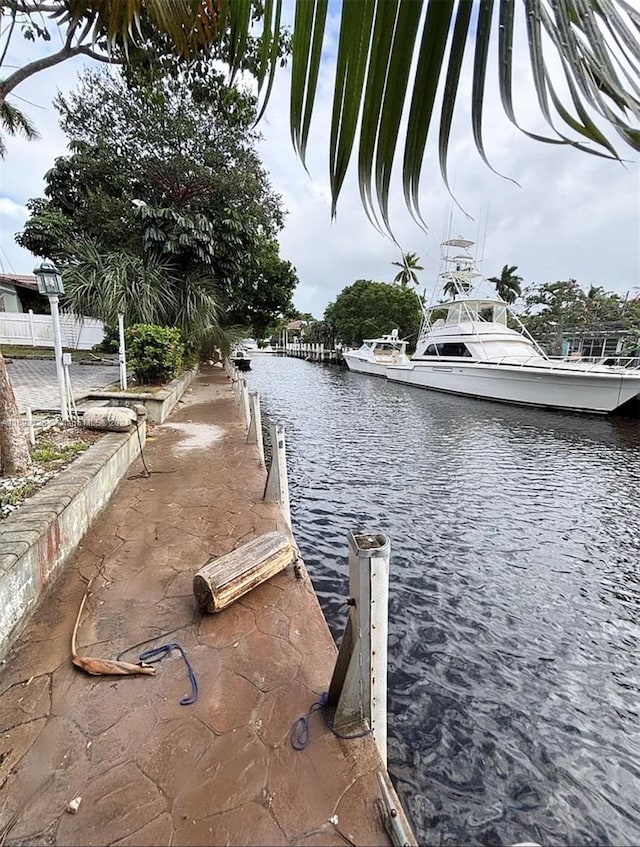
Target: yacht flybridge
{"type": "Point", "coordinates": [475, 345]}
{"type": "Point", "coordinates": [376, 354]}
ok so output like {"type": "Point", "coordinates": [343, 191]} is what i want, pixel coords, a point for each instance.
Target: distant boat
{"type": "Point", "coordinates": [376, 354]}
{"type": "Point", "coordinates": [241, 360]}
{"type": "Point", "coordinates": [477, 346]}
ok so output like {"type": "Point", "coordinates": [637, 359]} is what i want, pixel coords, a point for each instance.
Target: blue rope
{"type": "Point", "coordinates": [159, 653]}
{"type": "Point", "coordinates": [299, 732]}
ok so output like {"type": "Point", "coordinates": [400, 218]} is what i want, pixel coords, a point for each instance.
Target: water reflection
{"type": "Point", "coordinates": [515, 597]}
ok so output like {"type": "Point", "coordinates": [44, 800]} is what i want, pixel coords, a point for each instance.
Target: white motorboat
{"type": "Point", "coordinates": [376, 354]}
{"type": "Point", "coordinates": [476, 345]}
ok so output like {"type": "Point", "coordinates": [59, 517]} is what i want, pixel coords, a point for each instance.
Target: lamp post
{"type": "Point", "coordinates": [50, 283]}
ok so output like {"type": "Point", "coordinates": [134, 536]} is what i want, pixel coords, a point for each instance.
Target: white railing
{"type": "Point", "coordinates": [24, 329]}
{"type": "Point", "coordinates": [560, 363]}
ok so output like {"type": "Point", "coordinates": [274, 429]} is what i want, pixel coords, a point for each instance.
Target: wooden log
{"type": "Point", "coordinates": [223, 580]}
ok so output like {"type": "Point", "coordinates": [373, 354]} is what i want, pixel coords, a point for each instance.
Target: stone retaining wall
{"type": "Point", "coordinates": [158, 404]}
{"type": "Point", "coordinates": [38, 538]}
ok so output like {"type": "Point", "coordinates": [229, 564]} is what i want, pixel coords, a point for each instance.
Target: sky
{"type": "Point", "coordinates": [571, 215]}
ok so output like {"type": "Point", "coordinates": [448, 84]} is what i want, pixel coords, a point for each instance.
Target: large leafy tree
{"type": "Point", "coordinates": [552, 307]}
{"type": "Point", "coordinates": [263, 293]}
{"type": "Point", "coordinates": [408, 266]}
{"type": "Point", "coordinates": [368, 309]}
{"type": "Point", "coordinates": [557, 307]}
{"type": "Point", "coordinates": [508, 285]}
{"type": "Point", "coordinates": [171, 176]}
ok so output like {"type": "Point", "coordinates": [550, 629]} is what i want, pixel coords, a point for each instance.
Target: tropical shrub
{"type": "Point", "coordinates": [155, 353]}
{"type": "Point", "coordinates": [110, 342]}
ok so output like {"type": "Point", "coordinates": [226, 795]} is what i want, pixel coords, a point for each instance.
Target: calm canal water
{"type": "Point", "coordinates": [514, 678]}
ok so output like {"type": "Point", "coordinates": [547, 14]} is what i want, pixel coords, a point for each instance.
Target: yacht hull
{"type": "Point", "coordinates": [573, 390]}
{"type": "Point", "coordinates": [362, 366]}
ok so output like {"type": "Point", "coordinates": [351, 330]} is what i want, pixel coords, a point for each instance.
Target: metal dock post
{"type": "Point", "coordinates": [358, 689]}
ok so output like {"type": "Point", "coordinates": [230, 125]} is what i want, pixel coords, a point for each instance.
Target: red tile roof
{"type": "Point", "coordinates": [20, 280]}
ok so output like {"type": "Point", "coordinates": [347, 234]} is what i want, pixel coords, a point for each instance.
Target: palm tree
{"type": "Point", "coordinates": [14, 122]}
{"type": "Point", "coordinates": [508, 284]}
{"type": "Point", "coordinates": [409, 265]}
{"type": "Point", "coordinates": [106, 284]}
{"type": "Point", "coordinates": [452, 289]}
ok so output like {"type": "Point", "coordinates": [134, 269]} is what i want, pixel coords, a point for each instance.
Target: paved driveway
{"type": "Point", "coordinates": [36, 385]}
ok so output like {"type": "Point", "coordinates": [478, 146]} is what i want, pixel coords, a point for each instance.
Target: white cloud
{"type": "Point", "coordinates": [10, 209]}
{"type": "Point", "coordinates": [574, 215]}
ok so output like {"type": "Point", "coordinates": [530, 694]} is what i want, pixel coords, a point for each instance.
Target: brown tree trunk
{"type": "Point", "coordinates": [14, 450]}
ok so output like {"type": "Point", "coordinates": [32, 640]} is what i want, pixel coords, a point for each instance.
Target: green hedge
{"type": "Point", "coordinates": [154, 353]}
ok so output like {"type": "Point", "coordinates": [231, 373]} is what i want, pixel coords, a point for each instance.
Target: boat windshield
{"type": "Point", "coordinates": [477, 311]}
{"type": "Point", "coordinates": [521, 349]}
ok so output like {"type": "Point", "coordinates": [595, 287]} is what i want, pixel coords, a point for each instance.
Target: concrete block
{"type": "Point", "coordinates": [21, 533]}
{"type": "Point", "coordinates": [158, 404]}
{"type": "Point", "coordinates": [7, 562]}
{"type": "Point", "coordinates": [15, 547]}
{"type": "Point", "coordinates": [53, 500]}
{"type": "Point", "coordinates": [38, 518]}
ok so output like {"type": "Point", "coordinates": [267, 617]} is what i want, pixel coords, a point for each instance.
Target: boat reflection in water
{"type": "Point", "coordinates": [476, 345]}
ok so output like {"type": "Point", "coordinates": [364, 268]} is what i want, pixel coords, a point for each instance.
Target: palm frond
{"type": "Point", "coordinates": [382, 40]}
{"type": "Point", "coordinates": [14, 122]}
{"type": "Point", "coordinates": [106, 284]}
{"type": "Point", "coordinates": [404, 58]}
{"type": "Point", "coordinates": [222, 338]}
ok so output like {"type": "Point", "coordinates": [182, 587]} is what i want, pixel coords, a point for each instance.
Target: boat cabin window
{"type": "Point", "coordinates": [455, 349]}
{"type": "Point", "coordinates": [520, 348]}
{"type": "Point", "coordinates": [450, 349]}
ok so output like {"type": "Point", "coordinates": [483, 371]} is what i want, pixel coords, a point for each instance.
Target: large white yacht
{"type": "Point", "coordinates": [475, 345]}
{"type": "Point", "coordinates": [375, 354]}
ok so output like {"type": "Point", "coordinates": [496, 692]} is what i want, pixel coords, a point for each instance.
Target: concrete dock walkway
{"type": "Point", "coordinates": [149, 770]}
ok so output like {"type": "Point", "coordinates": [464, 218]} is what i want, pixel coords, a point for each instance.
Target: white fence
{"type": "Point", "coordinates": [29, 330]}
